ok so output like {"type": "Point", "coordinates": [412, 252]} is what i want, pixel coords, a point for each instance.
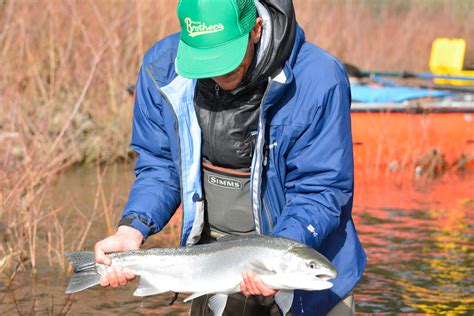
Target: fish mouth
{"type": "Point", "coordinates": [326, 273]}
{"type": "Point", "coordinates": [326, 276]}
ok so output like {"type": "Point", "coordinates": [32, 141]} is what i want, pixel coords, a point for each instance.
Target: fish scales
{"type": "Point", "coordinates": [214, 268]}
{"type": "Point", "coordinates": [221, 262]}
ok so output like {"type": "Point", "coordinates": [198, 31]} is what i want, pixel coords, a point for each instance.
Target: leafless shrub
{"type": "Point", "coordinates": [65, 66]}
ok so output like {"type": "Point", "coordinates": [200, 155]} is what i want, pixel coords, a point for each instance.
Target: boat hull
{"type": "Point", "coordinates": [391, 141]}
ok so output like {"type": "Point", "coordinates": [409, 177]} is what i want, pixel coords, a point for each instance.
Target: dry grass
{"type": "Point", "coordinates": [386, 35]}
{"type": "Point", "coordinates": [65, 66]}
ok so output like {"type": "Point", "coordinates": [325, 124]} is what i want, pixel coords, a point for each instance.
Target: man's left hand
{"type": "Point", "coordinates": [252, 285]}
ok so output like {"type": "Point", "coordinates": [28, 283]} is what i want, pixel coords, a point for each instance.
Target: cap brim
{"type": "Point", "coordinates": [197, 63]}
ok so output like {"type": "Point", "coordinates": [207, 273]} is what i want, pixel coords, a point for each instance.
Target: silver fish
{"type": "Point", "coordinates": [215, 268]}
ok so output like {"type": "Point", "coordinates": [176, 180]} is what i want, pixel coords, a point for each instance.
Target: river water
{"type": "Point", "coordinates": [418, 235]}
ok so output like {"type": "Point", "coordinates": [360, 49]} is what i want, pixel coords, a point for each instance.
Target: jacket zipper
{"type": "Point", "coordinates": [258, 165]}
{"type": "Point", "coordinates": [267, 212]}
{"type": "Point", "coordinates": [264, 200]}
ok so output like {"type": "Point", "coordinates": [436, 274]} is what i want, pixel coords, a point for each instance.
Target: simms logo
{"type": "Point", "coordinates": [196, 28]}
{"type": "Point", "coordinates": [225, 182]}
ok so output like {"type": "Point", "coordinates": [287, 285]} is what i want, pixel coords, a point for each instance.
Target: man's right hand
{"type": "Point", "coordinates": [126, 238]}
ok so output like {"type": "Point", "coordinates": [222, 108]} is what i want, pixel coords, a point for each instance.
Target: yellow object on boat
{"type": "Point", "coordinates": [447, 58]}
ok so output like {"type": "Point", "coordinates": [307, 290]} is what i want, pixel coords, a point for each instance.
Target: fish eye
{"type": "Point", "coordinates": [312, 265]}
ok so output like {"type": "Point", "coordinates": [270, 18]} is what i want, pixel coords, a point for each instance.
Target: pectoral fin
{"type": "Point", "coordinates": [284, 300]}
{"type": "Point", "coordinates": [260, 268]}
{"type": "Point", "coordinates": [217, 303]}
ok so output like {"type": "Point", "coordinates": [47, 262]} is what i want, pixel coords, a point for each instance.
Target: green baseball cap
{"type": "Point", "coordinates": [214, 36]}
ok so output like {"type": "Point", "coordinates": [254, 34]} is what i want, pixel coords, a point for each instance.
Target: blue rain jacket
{"type": "Point", "coordinates": [302, 167]}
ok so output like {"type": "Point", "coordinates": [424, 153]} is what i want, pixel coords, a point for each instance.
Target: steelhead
{"type": "Point", "coordinates": [214, 268]}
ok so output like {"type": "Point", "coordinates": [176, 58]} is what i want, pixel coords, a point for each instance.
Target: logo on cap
{"type": "Point", "coordinates": [196, 28]}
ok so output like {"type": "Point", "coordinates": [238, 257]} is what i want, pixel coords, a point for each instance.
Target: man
{"type": "Point", "coordinates": [246, 125]}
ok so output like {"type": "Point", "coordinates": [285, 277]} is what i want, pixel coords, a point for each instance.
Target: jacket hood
{"type": "Point", "coordinates": [276, 43]}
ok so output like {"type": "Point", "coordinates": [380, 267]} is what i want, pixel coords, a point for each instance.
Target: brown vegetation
{"type": "Point", "coordinates": [391, 35]}
{"type": "Point", "coordinates": [65, 66]}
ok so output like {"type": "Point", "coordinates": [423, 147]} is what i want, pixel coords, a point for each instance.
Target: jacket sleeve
{"type": "Point", "coordinates": [155, 193]}
{"type": "Point", "coordinates": [319, 179]}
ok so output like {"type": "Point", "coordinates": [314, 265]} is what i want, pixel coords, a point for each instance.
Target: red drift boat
{"type": "Point", "coordinates": [426, 131]}
{"type": "Point", "coordinates": [426, 137]}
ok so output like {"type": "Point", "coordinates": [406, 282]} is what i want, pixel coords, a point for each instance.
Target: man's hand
{"type": "Point", "coordinates": [252, 285]}
{"type": "Point", "coordinates": [126, 238]}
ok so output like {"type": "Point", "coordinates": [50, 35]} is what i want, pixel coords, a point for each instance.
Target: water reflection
{"type": "Point", "coordinates": [419, 237]}
{"type": "Point", "coordinates": [45, 296]}
{"type": "Point", "coordinates": [419, 241]}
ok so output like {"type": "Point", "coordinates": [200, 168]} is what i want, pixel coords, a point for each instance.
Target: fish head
{"type": "Point", "coordinates": [304, 268]}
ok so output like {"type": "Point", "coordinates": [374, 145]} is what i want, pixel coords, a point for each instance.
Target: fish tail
{"type": "Point", "coordinates": [85, 271]}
